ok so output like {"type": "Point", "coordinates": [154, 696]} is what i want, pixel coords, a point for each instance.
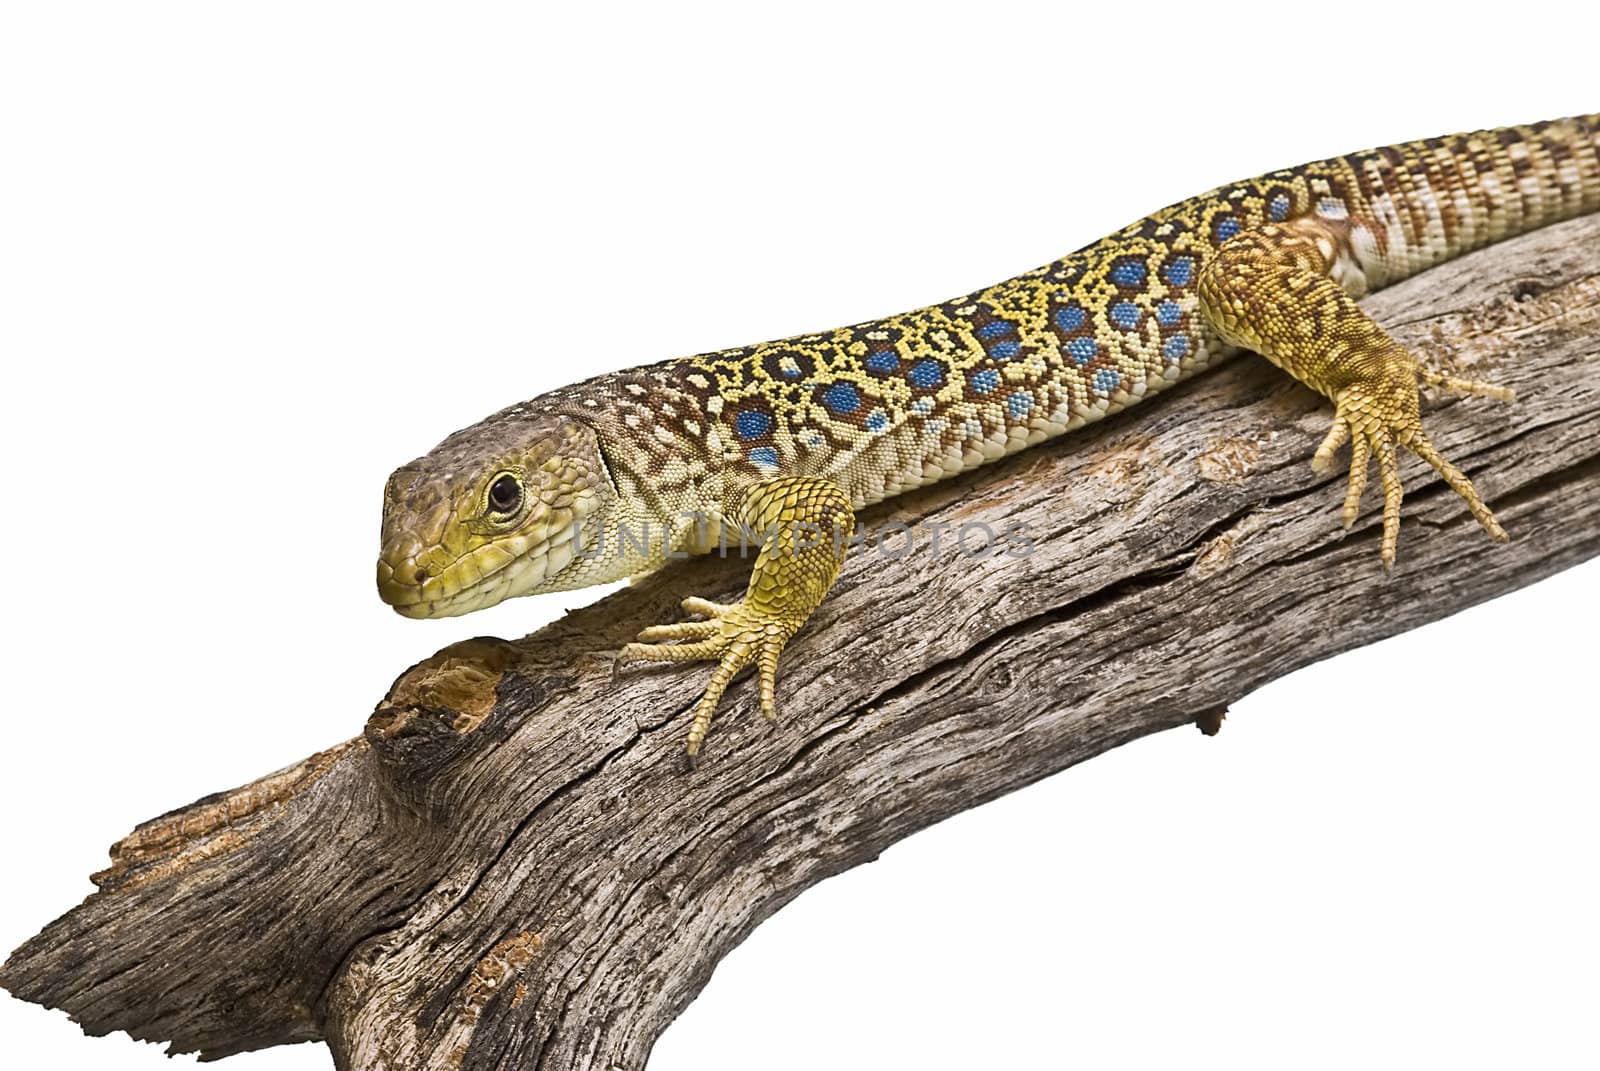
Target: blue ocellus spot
{"type": "Point", "coordinates": [842, 399]}
{"type": "Point", "coordinates": [1125, 314]}
{"type": "Point", "coordinates": [1177, 348]}
{"type": "Point", "coordinates": [1069, 317]}
{"type": "Point", "coordinates": [878, 420]}
{"type": "Point", "coordinates": [883, 362]}
{"type": "Point", "coordinates": [1106, 380]}
{"type": "Point", "coordinates": [764, 456]}
{"type": "Point", "coordinates": [1179, 271]}
{"type": "Point", "coordinates": [996, 329]}
{"type": "Point", "coordinates": [925, 375]}
{"type": "Point", "coordinates": [1004, 351]}
{"type": "Point", "coordinates": [1128, 272]}
{"type": "Point", "coordinates": [984, 381]}
{"type": "Point", "coordinates": [752, 424]}
{"type": "Point", "coordinates": [1082, 350]}
{"type": "Point", "coordinates": [1168, 313]}
{"type": "Point", "coordinates": [1019, 404]}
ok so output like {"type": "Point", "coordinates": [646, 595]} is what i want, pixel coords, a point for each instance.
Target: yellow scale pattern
{"type": "Point", "coordinates": [807, 429]}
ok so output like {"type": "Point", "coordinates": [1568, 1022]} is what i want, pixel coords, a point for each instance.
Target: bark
{"type": "Point", "coordinates": [513, 866]}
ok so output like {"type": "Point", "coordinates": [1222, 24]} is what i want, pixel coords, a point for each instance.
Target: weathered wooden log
{"type": "Point", "coordinates": [514, 868]}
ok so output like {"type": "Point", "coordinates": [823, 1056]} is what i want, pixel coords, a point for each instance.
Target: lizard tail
{"type": "Point", "coordinates": [1420, 203]}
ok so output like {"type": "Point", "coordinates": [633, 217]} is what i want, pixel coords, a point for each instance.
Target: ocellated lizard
{"type": "Point", "coordinates": [608, 478]}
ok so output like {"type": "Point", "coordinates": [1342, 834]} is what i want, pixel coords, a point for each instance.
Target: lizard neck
{"type": "Point", "coordinates": [662, 441]}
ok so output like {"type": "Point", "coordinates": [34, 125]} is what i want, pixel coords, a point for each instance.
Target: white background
{"type": "Point", "coordinates": [255, 256]}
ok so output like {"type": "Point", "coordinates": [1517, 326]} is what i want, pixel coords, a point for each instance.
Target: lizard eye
{"type": "Point", "coordinates": [505, 494]}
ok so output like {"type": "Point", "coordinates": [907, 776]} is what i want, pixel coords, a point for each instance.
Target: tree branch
{"type": "Point", "coordinates": [512, 867]}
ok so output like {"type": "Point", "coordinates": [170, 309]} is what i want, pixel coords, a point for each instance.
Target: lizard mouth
{"type": "Point", "coordinates": [472, 581]}
{"type": "Point", "coordinates": [418, 586]}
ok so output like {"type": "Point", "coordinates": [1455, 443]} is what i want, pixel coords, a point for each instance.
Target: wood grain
{"type": "Point", "coordinates": [513, 867]}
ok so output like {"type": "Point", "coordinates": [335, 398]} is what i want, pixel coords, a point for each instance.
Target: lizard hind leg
{"type": "Point", "coordinates": [1379, 413]}
{"type": "Point", "coordinates": [1271, 290]}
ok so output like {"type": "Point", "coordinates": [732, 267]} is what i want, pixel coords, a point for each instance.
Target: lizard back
{"type": "Point", "coordinates": [888, 405]}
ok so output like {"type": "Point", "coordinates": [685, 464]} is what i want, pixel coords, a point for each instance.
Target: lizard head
{"type": "Point", "coordinates": [500, 509]}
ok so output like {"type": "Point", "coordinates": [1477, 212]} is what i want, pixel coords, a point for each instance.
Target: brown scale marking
{"type": "Point", "coordinates": [1560, 154]}
{"type": "Point", "coordinates": [1551, 195]}
{"type": "Point", "coordinates": [1149, 227]}
{"type": "Point", "coordinates": [1359, 181]}
{"type": "Point", "coordinates": [1399, 183]}
{"type": "Point", "coordinates": [1474, 165]}
{"type": "Point", "coordinates": [1361, 191]}
{"type": "Point", "coordinates": [1568, 166]}
{"type": "Point", "coordinates": [1273, 192]}
{"type": "Point", "coordinates": [1067, 272]}
{"type": "Point", "coordinates": [1508, 199]}
{"type": "Point", "coordinates": [1521, 166]}
{"type": "Point", "coordinates": [1461, 178]}
{"type": "Point", "coordinates": [1485, 204]}
{"type": "Point", "coordinates": [1582, 174]}
{"type": "Point", "coordinates": [1522, 163]}
{"type": "Point", "coordinates": [1590, 169]}
{"type": "Point", "coordinates": [1219, 213]}
{"type": "Point", "coordinates": [1442, 184]}
{"type": "Point", "coordinates": [787, 365]}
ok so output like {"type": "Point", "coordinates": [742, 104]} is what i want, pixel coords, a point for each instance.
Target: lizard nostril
{"type": "Point", "coordinates": [421, 575]}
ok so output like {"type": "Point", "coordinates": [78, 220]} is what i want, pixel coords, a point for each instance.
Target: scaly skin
{"type": "Point", "coordinates": [609, 478]}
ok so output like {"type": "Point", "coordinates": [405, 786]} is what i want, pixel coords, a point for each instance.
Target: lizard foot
{"type": "Point", "coordinates": [1377, 416]}
{"type": "Point", "coordinates": [803, 526]}
{"type": "Point", "coordinates": [734, 636]}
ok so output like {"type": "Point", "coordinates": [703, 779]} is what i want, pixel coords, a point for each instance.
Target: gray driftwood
{"type": "Point", "coordinates": [513, 868]}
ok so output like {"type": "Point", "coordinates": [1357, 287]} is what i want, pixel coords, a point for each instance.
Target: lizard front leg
{"type": "Point", "coordinates": [1272, 291]}
{"type": "Point", "coordinates": [803, 526]}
